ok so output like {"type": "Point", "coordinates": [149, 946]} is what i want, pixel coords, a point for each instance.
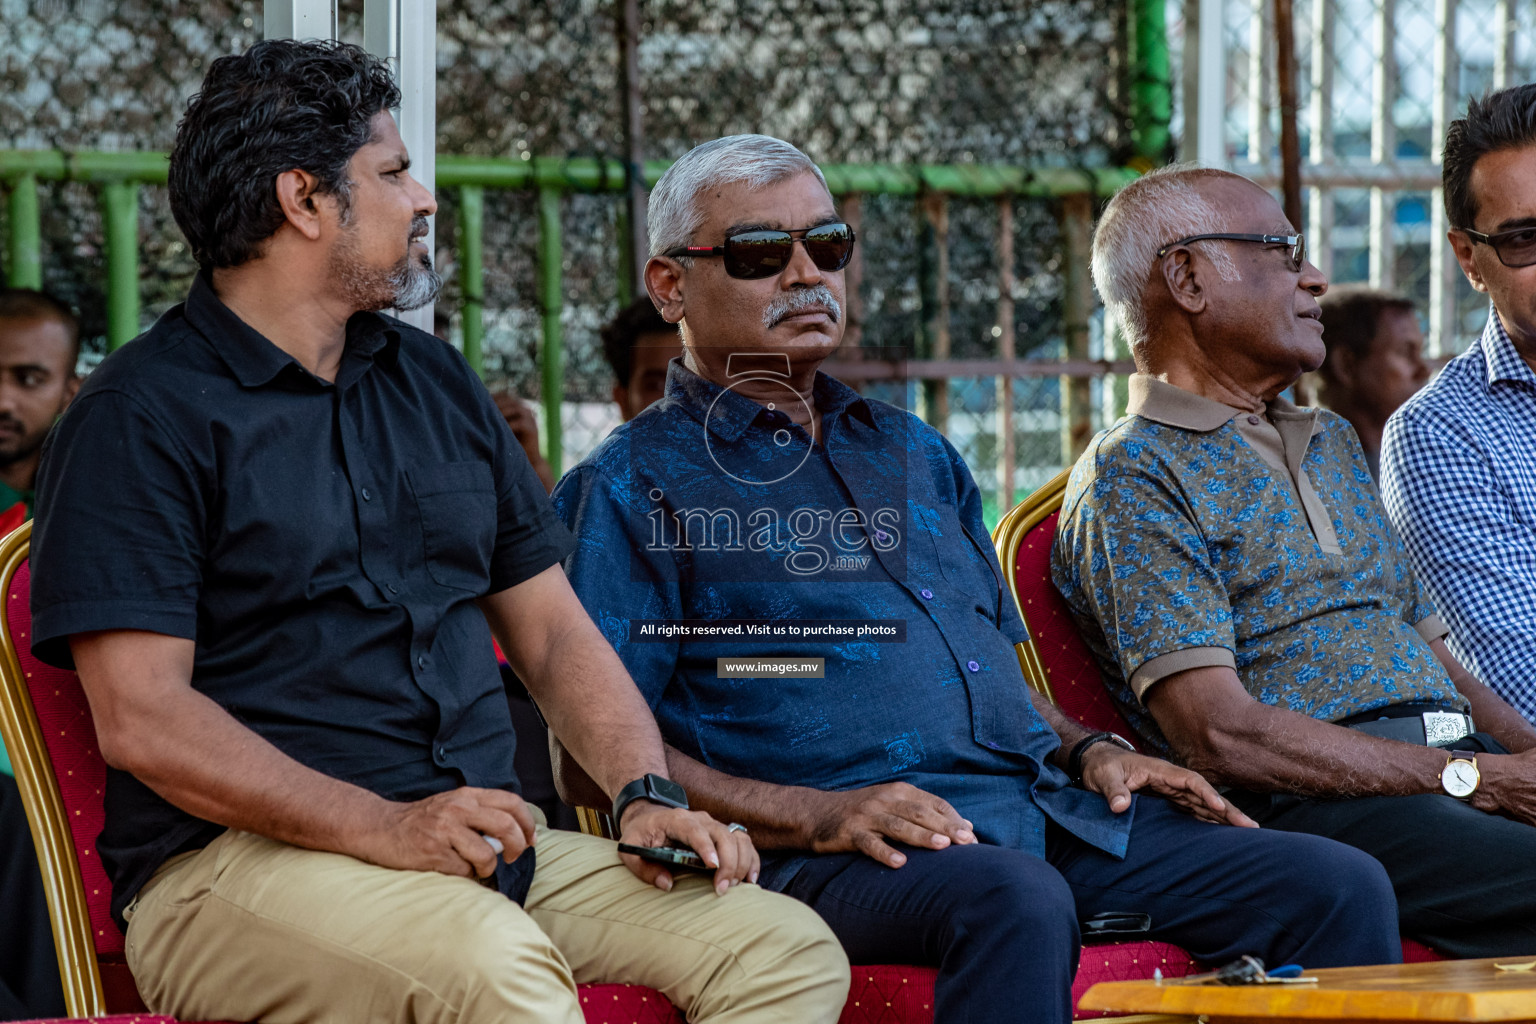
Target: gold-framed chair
{"type": "Point", "coordinates": [46, 726]}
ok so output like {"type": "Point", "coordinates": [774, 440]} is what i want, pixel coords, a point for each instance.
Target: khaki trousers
{"type": "Point", "coordinates": [254, 930]}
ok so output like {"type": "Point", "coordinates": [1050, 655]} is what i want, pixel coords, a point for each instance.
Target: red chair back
{"type": "Point", "coordinates": [62, 778]}
{"type": "Point", "coordinates": [69, 735]}
{"type": "Point", "coordinates": [1055, 660]}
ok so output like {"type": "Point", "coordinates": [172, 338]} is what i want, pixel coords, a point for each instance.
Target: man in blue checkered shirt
{"type": "Point", "coordinates": [1458, 472]}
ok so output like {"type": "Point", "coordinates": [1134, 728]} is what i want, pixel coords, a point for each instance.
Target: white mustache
{"type": "Point", "coordinates": [800, 300]}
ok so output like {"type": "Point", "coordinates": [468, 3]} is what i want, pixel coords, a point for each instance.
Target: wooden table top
{"type": "Point", "coordinates": [1447, 990]}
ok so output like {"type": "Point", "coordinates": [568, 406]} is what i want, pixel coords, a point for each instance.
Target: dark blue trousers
{"type": "Point", "coordinates": [1002, 925]}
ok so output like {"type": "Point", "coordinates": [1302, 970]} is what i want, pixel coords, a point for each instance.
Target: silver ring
{"type": "Point", "coordinates": [734, 827]}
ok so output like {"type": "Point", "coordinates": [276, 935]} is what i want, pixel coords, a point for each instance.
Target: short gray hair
{"type": "Point", "coordinates": [757, 160]}
{"type": "Point", "coordinates": [1155, 209]}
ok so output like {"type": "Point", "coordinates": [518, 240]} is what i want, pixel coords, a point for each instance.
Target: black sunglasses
{"type": "Point", "coordinates": [1296, 257]}
{"type": "Point", "coordinates": [1514, 248]}
{"type": "Point", "coordinates": [751, 255]}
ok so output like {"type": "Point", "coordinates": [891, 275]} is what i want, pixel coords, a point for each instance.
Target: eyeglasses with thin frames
{"type": "Point", "coordinates": [1295, 258]}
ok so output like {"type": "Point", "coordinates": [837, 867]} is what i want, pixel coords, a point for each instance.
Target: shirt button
{"type": "Point", "coordinates": [927, 594]}
{"type": "Point", "coordinates": [421, 660]}
{"type": "Point", "coordinates": [1254, 420]}
{"type": "Point", "coordinates": [367, 495]}
{"type": "Point", "coordinates": [440, 754]}
{"type": "Point", "coordinates": [392, 588]}
{"type": "Point", "coordinates": [973, 665]}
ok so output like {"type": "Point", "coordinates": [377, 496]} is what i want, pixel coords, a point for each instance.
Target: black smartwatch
{"type": "Point", "coordinates": [649, 787]}
{"type": "Point", "coordinates": [1075, 759]}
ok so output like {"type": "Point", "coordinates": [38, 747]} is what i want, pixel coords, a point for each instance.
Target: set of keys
{"type": "Point", "coordinates": [1247, 970]}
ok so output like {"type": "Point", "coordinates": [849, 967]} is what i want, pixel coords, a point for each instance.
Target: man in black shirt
{"type": "Point", "coordinates": [270, 535]}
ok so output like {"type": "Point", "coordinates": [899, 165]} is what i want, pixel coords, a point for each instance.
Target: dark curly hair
{"type": "Point", "coordinates": [1499, 121]}
{"type": "Point", "coordinates": [621, 334]}
{"type": "Point", "coordinates": [280, 105]}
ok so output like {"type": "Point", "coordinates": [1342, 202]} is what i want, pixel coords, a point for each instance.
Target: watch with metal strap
{"type": "Point", "coordinates": [1075, 759]}
{"type": "Point", "coordinates": [655, 788]}
{"type": "Point", "coordinates": [1460, 776]}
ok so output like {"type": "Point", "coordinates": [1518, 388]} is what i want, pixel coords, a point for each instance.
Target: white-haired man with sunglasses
{"type": "Point", "coordinates": [1229, 564]}
{"type": "Point", "coordinates": [1459, 460]}
{"type": "Point", "coordinates": [800, 582]}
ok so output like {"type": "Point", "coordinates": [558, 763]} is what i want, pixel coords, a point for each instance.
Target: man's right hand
{"type": "Point", "coordinates": [861, 820]}
{"type": "Point", "coordinates": [447, 832]}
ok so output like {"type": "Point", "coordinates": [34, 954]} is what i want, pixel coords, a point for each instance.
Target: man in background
{"type": "Point", "coordinates": [39, 346]}
{"type": "Point", "coordinates": [1375, 360]}
{"type": "Point", "coordinates": [638, 345]}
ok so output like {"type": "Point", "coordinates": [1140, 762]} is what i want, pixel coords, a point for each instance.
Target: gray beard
{"type": "Point", "coordinates": [409, 284]}
{"type": "Point", "coordinates": [415, 285]}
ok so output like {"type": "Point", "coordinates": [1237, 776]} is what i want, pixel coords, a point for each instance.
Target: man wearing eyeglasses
{"type": "Point", "coordinates": [1459, 460]}
{"type": "Point", "coordinates": [1229, 564]}
{"type": "Point", "coordinates": [799, 581]}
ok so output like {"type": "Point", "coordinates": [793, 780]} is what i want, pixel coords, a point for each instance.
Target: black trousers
{"type": "Point", "coordinates": [1001, 925]}
{"type": "Point", "coordinates": [29, 969]}
{"type": "Point", "coordinates": [1465, 880]}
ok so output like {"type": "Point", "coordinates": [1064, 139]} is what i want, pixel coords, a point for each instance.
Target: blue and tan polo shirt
{"type": "Point", "coordinates": [1194, 534]}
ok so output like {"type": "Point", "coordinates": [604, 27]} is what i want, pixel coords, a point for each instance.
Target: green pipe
{"type": "Point", "coordinates": [472, 273]}
{"type": "Point", "coordinates": [143, 166]}
{"type": "Point", "coordinates": [551, 353]}
{"type": "Point", "coordinates": [587, 174]}
{"type": "Point", "coordinates": [1151, 84]}
{"type": "Point", "coordinates": [26, 241]}
{"type": "Point", "coordinates": [120, 220]}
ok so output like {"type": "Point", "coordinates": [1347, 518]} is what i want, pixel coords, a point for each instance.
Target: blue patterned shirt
{"type": "Point", "coordinates": [1458, 476]}
{"type": "Point", "coordinates": [1193, 534]}
{"type": "Point", "coordinates": [709, 506]}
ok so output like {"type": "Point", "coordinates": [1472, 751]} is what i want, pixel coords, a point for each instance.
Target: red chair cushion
{"type": "Point", "coordinates": [1069, 668]}
{"type": "Point", "coordinates": [889, 994]}
{"type": "Point", "coordinates": [121, 1018]}
{"type": "Point", "coordinates": [1127, 961]}
{"type": "Point", "coordinates": [1418, 953]}
{"type": "Point", "coordinates": [626, 1004]}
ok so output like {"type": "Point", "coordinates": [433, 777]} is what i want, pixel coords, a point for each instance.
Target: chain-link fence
{"type": "Point", "coordinates": [850, 81]}
{"type": "Point", "coordinates": [1369, 78]}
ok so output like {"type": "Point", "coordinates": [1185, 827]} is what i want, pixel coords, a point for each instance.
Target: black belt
{"type": "Point", "coordinates": [1427, 725]}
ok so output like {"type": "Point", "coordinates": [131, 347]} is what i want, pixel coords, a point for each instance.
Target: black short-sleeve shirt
{"type": "Point", "coordinates": [322, 542]}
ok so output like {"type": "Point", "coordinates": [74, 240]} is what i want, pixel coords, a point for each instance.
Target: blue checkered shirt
{"type": "Point", "coordinates": [1458, 478]}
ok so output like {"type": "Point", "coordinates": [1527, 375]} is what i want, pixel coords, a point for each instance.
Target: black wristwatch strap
{"type": "Point", "coordinates": [1075, 759]}
{"type": "Point", "coordinates": [654, 788]}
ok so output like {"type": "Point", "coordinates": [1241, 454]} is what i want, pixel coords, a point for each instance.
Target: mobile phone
{"type": "Point", "coordinates": [1115, 923]}
{"type": "Point", "coordinates": [670, 856]}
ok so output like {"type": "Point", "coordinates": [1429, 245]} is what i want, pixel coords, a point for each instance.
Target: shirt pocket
{"type": "Point", "coordinates": [456, 502]}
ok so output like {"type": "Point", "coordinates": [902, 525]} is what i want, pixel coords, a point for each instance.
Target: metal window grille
{"type": "Point", "coordinates": [1378, 82]}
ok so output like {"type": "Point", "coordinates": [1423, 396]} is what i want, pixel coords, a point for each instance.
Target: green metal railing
{"type": "Point", "coordinates": [119, 177]}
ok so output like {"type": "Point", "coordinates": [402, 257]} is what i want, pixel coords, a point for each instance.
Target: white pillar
{"type": "Point", "coordinates": [405, 31]}
{"type": "Point", "coordinates": [298, 19]}
{"type": "Point", "coordinates": [1211, 111]}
